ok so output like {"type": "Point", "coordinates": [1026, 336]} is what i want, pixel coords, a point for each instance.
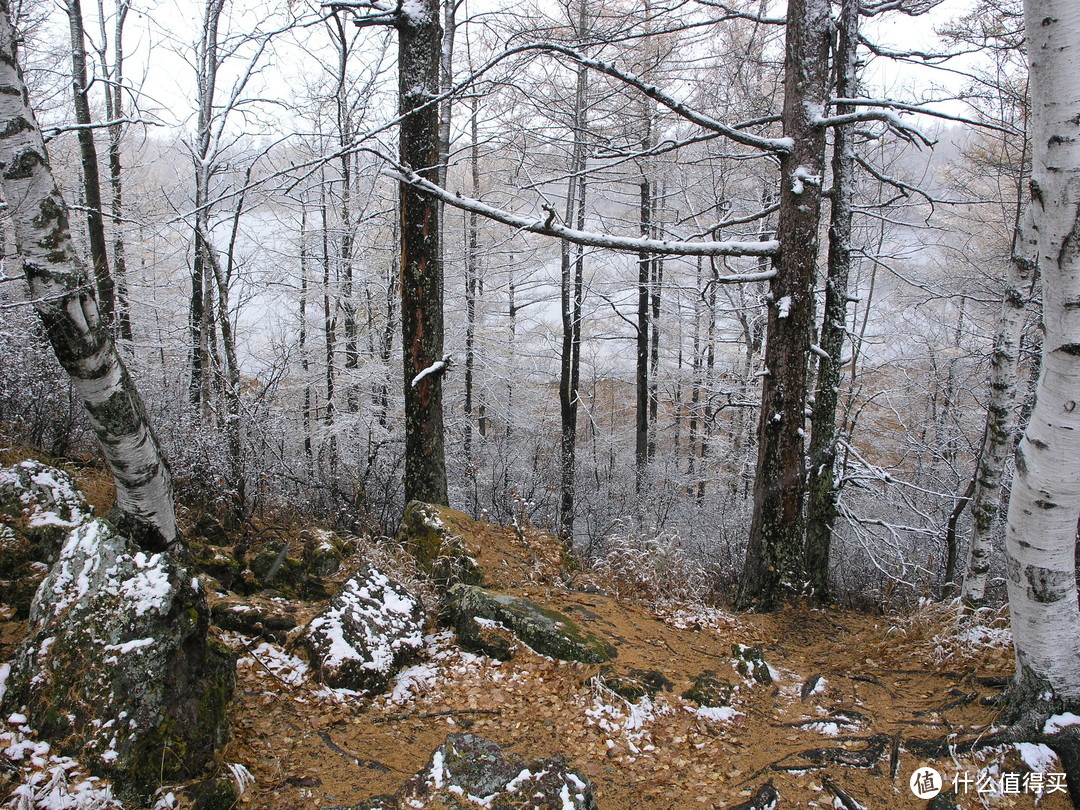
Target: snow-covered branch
{"type": "Point", "coordinates": [549, 227]}
{"type": "Point", "coordinates": [894, 121]}
{"type": "Point", "coordinates": [437, 369]}
{"type": "Point", "coordinates": [922, 110]}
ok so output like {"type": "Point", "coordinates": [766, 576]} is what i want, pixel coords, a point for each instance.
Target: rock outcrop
{"type": "Point", "coordinates": [468, 771]}
{"type": "Point", "coordinates": [117, 669]}
{"type": "Point", "coordinates": [435, 536]}
{"type": "Point", "coordinates": [370, 629]}
{"type": "Point", "coordinates": [482, 619]}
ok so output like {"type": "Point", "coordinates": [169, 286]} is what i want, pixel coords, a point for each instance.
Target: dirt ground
{"type": "Point", "coordinates": [909, 680]}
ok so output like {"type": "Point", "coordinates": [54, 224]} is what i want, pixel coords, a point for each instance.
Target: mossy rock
{"type": "Point", "coordinates": [467, 771]}
{"type": "Point", "coordinates": [323, 553]}
{"type": "Point", "coordinates": [750, 663]}
{"type": "Point", "coordinates": [435, 536]}
{"type": "Point", "coordinates": [219, 793]}
{"type": "Point", "coordinates": [117, 669]}
{"type": "Point", "coordinates": [634, 684]}
{"type": "Point", "coordinates": [219, 562]}
{"type": "Point", "coordinates": [710, 691]}
{"type": "Point", "coordinates": [39, 505]}
{"type": "Point", "coordinates": [472, 610]}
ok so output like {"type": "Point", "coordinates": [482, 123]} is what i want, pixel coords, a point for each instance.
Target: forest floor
{"type": "Point", "coordinates": [852, 698]}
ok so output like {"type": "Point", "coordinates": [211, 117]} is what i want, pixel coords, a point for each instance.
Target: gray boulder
{"type": "Point", "coordinates": [482, 619]}
{"type": "Point", "coordinates": [467, 771]}
{"type": "Point", "coordinates": [39, 505]}
{"type": "Point", "coordinates": [370, 629]}
{"type": "Point", "coordinates": [116, 668]}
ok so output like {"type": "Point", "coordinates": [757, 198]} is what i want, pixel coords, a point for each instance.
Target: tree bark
{"type": "Point", "coordinates": [1040, 567]}
{"type": "Point", "coordinates": [775, 558]}
{"type": "Point", "coordinates": [572, 261]}
{"type": "Point", "coordinates": [95, 222]}
{"type": "Point", "coordinates": [63, 296]}
{"type": "Point", "coordinates": [419, 47]}
{"type": "Point", "coordinates": [821, 486]}
{"type": "Point", "coordinates": [1000, 422]}
{"type": "Point", "coordinates": [114, 110]}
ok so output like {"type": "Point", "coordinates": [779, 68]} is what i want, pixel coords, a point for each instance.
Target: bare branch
{"type": "Point", "coordinates": [548, 227]}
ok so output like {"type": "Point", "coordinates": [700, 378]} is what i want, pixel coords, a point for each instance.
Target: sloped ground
{"type": "Point", "coordinates": [851, 699]}
{"type": "Point", "coordinates": [308, 746]}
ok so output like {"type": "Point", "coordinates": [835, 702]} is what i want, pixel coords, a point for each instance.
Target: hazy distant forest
{"type": "Point", "coordinates": [660, 295]}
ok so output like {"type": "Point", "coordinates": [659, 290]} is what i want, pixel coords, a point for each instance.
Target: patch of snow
{"type": "Point", "coordinates": [241, 776]}
{"type": "Point", "coordinates": [1040, 758]}
{"type": "Point", "coordinates": [715, 714]}
{"type": "Point", "coordinates": [783, 307]}
{"type": "Point", "coordinates": [1059, 722]}
{"type": "Point", "coordinates": [288, 668]}
{"type": "Point", "coordinates": [129, 646]}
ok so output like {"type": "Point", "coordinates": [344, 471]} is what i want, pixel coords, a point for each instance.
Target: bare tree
{"type": "Point", "coordinates": [64, 298]}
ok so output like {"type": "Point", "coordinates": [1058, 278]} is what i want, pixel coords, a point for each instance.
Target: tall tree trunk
{"type": "Point", "coordinates": [419, 47]}
{"type": "Point", "coordinates": [641, 343]}
{"type": "Point", "coordinates": [1040, 547]}
{"type": "Point", "coordinates": [998, 434]}
{"type": "Point", "coordinates": [80, 337]}
{"type": "Point", "coordinates": [775, 555]}
{"type": "Point", "coordinates": [821, 487]}
{"type": "Point", "coordinates": [201, 306]}
{"type": "Point", "coordinates": [95, 222]}
{"type": "Point", "coordinates": [472, 273]}
{"type": "Point", "coordinates": [114, 110]}
{"type": "Point", "coordinates": [305, 362]}
{"type": "Point", "coordinates": [572, 260]}
{"type": "Point", "coordinates": [330, 340]}
{"type": "Point", "coordinates": [343, 111]}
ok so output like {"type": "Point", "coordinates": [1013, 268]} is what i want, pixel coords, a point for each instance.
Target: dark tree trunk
{"type": "Point", "coordinates": [775, 556]}
{"type": "Point", "coordinates": [641, 410]}
{"type": "Point", "coordinates": [570, 290]}
{"type": "Point", "coordinates": [95, 222]}
{"type": "Point", "coordinates": [821, 488]}
{"type": "Point", "coordinates": [419, 47]}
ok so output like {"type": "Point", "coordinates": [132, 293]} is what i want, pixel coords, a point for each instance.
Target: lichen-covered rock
{"type": "Point", "coordinates": [428, 533]}
{"type": "Point", "coordinates": [467, 771]}
{"type": "Point", "coordinates": [710, 691]}
{"type": "Point", "coordinates": [370, 629]}
{"type": "Point", "coordinates": [750, 663]}
{"type": "Point", "coordinates": [116, 668]}
{"type": "Point", "coordinates": [39, 505]}
{"type": "Point", "coordinates": [478, 615]}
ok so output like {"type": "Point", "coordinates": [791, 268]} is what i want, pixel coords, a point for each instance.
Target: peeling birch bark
{"type": "Point", "coordinates": [63, 295]}
{"type": "Point", "coordinates": [1045, 504]}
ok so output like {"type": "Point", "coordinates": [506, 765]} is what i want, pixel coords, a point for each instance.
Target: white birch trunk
{"type": "Point", "coordinates": [63, 295]}
{"type": "Point", "coordinates": [998, 436]}
{"type": "Point", "coordinates": [1045, 502]}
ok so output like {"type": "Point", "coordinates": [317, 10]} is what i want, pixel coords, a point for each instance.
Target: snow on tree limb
{"type": "Point", "coordinates": [549, 227]}
{"type": "Point", "coordinates": [922, 110]}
